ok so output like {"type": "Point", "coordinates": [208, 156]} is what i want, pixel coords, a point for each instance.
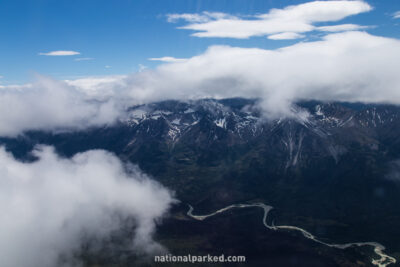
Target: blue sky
{"type": "Point", "coordinates": [124, 34]}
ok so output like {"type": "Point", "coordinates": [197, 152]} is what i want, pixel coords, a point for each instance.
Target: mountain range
{"type": "Point", "coordinates": [330, 167]}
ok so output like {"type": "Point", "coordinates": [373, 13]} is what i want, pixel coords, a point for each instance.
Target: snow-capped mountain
{"type": "Point", "coordinates": [326, 129]}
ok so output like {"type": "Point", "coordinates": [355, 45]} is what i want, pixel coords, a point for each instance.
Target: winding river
{"type": "Point", "coordinates": [383, 260]}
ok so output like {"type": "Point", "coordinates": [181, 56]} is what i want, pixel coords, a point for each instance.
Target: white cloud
{"type": "Point", "coordinates": [48, 206]}
{"type": "Point", "coordinates": [60, 53]}
{"type": "Point", "coordinates": [345, 66]}
{"type": "Point", "coordinates": [292, 19]}
{"type": "Point", "coordinates": [286, 36]}
{"type": "Point", "coordinates": [83, 59]}
{"type": "Point", "coordinates": [396, 15]}
{"type": "Point", "coordinates": [342, 28]}
{"type": "Point", "coordinates": [167, 59]}
{"type": "Point", "coordinates": [107, 66]}
{"type": "Point", "coordinates": [49, 104]}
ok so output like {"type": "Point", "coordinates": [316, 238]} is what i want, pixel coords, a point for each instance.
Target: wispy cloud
{"type": "Point", "coordinates": [396, 15]}
{"type": "Point", "coordinates": [142, 67]}
{"type": "Point", "coordinates": [167, 59]}
{"type": "Point", "coordinates": [83, 59]}
{"type": "Point", "coordinates": [60, 53]}
{"type": "Point", "coordinates": [95, 85]}
{"type": "Point", "coordinates": [195, 18]}
{"type": "Point", "coordinates": [286, 36]}
{"type": "Point", "coordinates": [287, 22]}
{"type": "Point", "coordinates": [342, 28]}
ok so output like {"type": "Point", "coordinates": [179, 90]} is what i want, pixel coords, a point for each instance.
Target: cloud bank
{"type": "Point", "coordinates": [290, 21]}
{"type": "Point", "coordinates": [48, 206]}
{"type": "Point", "coordinates": [347, 66]}
{"type": "Point", "coordinates": [49, 104]}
